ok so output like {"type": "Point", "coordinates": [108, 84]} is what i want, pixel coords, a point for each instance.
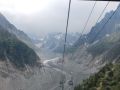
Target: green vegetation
{"type": "Point", "coordinates": [108, 78]}
{"type": "Point", "coordinates": [18, 53]}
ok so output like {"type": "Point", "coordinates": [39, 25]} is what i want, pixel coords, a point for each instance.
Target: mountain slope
{"type": "Point", "coordinates": [112, 26]}
{"type": "Point", "coordinates": [14, 50]}
{"type": "Point", "coordinates": [105, 48]}
{"type": "Point", "coordinates": [108, 78]}
{"type": "Point", "coordinates": [12, 29]}
{"type": "Point", "coordinates": [94, 55]}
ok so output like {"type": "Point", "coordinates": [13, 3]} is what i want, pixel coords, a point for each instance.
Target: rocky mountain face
{"type": "Point", "coordinates": [54, 41]}
{"type": "Point", "coordinates": [13, 47]}
{"type": "Point", "coordinates": [20, 66]}
{"type": "Point", "coordinates": [15, 51]}
{"type": "Point", "coordinates": [106, 45]}
{"type": "Point", "coordinates": [18, 33]}
{"type": "Point", "coordinates": [112, 26]}
{"type": "Point", "coordinates": [93, 55]}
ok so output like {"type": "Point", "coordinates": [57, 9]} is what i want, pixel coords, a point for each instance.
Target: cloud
{"type": "Point", "coordinates": [52, 17]}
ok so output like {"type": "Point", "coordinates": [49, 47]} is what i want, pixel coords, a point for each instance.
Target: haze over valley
{"type": "Point", "coordinates": [37, 54]}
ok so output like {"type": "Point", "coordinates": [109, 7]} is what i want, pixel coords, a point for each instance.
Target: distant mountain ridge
{"type": "Point", "coordinates": [112, 26]}
{"type": "Point", "coordinates": [54, 41]}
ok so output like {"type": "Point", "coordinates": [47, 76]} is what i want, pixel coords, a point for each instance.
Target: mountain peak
{"type": "Point", "coordinates": [3, 20]}
{"type": "Point", "coordinates": [1, 15]}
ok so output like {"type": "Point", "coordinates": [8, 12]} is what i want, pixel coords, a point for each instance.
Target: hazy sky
{"type": "Point", "coordinates": [43, 16]}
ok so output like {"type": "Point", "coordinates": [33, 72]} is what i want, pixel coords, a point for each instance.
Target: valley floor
{"type": "Point", "coordinates": [46, 78]}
